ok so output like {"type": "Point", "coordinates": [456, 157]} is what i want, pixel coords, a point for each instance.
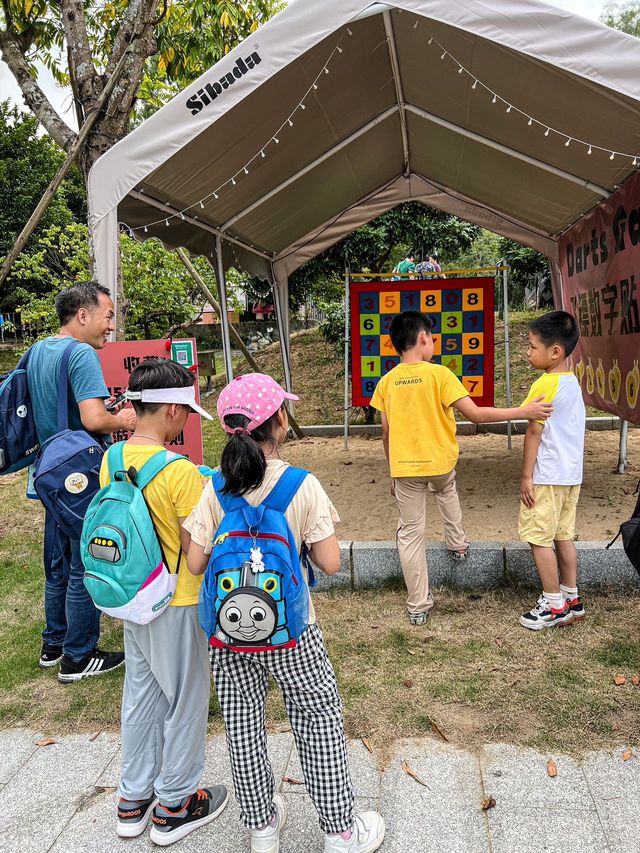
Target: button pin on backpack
{"type": "Point", "coordinates": [76, 483]}
{"type": "Point", "coordinates": [21, 411]}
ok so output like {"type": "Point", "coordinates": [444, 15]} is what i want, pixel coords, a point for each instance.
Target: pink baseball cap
{"type": "Point", "coordinates": [254, 395]}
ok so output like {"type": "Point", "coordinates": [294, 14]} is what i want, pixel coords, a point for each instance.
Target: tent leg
{"type": "Point", "coordinates": [224, 315]}
{"type": "Point", "coordinates": [622, 451]}
{"type": "Point", "coordinates": [346, 358]}
{"type": "Point", "coordinates": [507, 347]}
{"type": "Point", "coordinates": [280, 292]}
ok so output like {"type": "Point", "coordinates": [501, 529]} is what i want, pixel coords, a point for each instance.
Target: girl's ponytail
{"type": "Point", "coordinates": [243, 464]}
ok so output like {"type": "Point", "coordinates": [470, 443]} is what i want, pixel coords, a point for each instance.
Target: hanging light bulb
{"type": "Point", "coordinates": [546, 133]}
{"type": "Point", "coordinates": [315, 86]}
{"type": "Point", "coordinates": [634, 162]}
{"type": "Point", "coordinates": [589, 150]}
{"type": "Point", "coordinates": [494, 99]}
{"type": "Point", "coordinates": [339, 49]}
{"type": "Point", "coordinates": [302, 107]}
{"type": "Point", "coordinates": [326, 70]}
{"type": "Point", "coordinates": [290, 122]}
{"type": "Point", "coordinates": [415, 26]}
{"type": "Point", "coordinates": [475, 84]}
{"type": "Point", "coordinates": [246, 171]}
{"type": "Point", "coordinates": [181, 215]}
{"type": "Point", "coordinates": [146, 230]}
{"type": "Point", "coordinates": [568, 142]}
{"type": "Point", "coordinates": [460, 70]}
{"type": "Point", "coordinates": [430, 40]}
{"type": "Point", "coordinates": [613, 154]}
{"type": "Point", "coordinates": [202, 205]}
{"type": "Point", "coordinates": [443, 55]}
{"type": "Point", "coordinates": [215, 195]}
{"type": "Point", "coordinates": [233, 182]}
{"type": "Point", "coordinates": [509, 108]}
{"type": "Point", "coordinates": [349, 31]}
{"type": "Point", "coordinates": [166, 222]}
{"type": "Point", "coordinates": [276, 140]}
{"type": "Point", "coordinates": [262, 153]}
{"type": "Point", "coordinates": [530, 122]}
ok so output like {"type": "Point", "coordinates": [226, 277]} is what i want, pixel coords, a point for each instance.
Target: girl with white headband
{"type": "Point", "coordinates": [252, 411]}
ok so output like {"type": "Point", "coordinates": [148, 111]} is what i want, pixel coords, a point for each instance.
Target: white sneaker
{"type": "Point", "coordinates": [268, 840]}
{"type": "Point", "coordinates": [367, 836]}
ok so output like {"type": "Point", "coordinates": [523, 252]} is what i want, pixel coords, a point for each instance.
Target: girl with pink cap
{"type": "Point", "coordinates": [252, 411]}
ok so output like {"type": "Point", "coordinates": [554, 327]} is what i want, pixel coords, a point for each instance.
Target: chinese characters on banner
{"type": "Point", "coordinates": [600, 263]}
{"type": "Point", "coordinates": [120, 358]}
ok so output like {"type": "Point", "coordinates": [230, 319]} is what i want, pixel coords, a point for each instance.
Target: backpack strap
{"type": "Point", "coordinates": [63, 387]}
{"type": "Point", "coordinates": [227, 502]}
{"type": "Point", "coordinates": [115, 459]}
{"type": "Point", "coordinates": [285, 489]}
{"type": "Point", "coordinates": [154, 465]}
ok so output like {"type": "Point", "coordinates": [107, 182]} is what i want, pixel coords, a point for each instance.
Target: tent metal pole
{"type": "Point", "coordinates": [346, 357]}
{"type": "Point", "coordinates": [224, 315]}
{"type": "Point", "coordinates": [395, 66]}
{"type": "Point", "coordinates": [622, 449]}
{"type": "Point", "coordinates": [282, 330]}
{"type": "Point", "coordinates": [507, 345]}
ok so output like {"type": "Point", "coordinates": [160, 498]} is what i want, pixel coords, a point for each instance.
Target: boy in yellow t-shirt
{"type": "Point", "coordinates": [416, 399]}
{"type": "Point", "coordinates": [165, 701]}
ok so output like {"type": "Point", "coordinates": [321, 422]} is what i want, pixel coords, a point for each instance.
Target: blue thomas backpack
{"type": "Point", "coordinates": [254, 597]}
{"type": "Point", "coordinates": [19, 442]}
{"type": "Point", "coordinates": [126, 573]}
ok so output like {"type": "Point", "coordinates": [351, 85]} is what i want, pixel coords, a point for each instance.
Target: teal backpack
{"type": "Point", "coordinates": [126, 573]}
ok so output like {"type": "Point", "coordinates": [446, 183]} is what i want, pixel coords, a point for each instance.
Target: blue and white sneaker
{"type": "Point", "coordinates": [545, 616]}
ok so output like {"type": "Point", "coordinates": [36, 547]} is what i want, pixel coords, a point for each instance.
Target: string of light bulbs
{"type": "Point", "coordinates": [260, 153]}
{"type": "Point", "coordinates": [512, 108]}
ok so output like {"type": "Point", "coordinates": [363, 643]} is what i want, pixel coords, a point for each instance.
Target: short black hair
{"type": "Point", "coordinates": [557, 327]}
{"type": "Point", "coordinates": [433, 255]}
{"type": "Point", "coordinates": [157, 373]}
{"type": "Point", "coordinates": [85, 294]}
{"type": "Point", "coordinates": [410, 253]}
{"type": "Point", "coordinates": [405, 328]}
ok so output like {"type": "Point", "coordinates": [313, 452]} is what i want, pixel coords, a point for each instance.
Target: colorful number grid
{"type": "Point", "coordinates": [463, 323]}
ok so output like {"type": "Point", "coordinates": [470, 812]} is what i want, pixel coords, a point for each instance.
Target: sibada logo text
{"type": "Point", "coordinates": [210, 91]}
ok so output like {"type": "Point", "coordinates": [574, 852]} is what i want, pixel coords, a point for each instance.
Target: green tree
{"type": "Point", "coordinates": [28, 161]}
{"type": "Point", "coordinates": [623, 16]}
{"type": "Point", "coordinates": [162, 295]}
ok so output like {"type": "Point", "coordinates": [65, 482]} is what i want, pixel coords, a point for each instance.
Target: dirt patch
{"type": "Point", "coordinates": [488, 479]}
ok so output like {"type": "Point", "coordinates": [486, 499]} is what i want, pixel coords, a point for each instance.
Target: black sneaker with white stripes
{"type": "Point", "coordinates": [96, 662]}
{"type": "Point", "coordinates": [49, 656]}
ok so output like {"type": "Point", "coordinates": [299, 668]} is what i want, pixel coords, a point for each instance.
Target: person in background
{"type": "Point", "coordinates": [86, 313]}
{"type": "Point", "coordinates": [433, 260]}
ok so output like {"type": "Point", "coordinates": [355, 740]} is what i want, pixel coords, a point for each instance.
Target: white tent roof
{"type": "Point", "coordinates": [396, 118]}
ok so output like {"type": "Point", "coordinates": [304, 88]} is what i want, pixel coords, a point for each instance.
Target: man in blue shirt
{"type": "Point", "coordinates": [72, 627]}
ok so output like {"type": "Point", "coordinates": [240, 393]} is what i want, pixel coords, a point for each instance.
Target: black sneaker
{"type": "Point", "coordinates": [169, 825]}
{"type": "Point", "coordinates": [133, 816]}
{"type": "Point", "coordinates": [95, 663]}
{"type": "Point", "coordinates": [49, 656]}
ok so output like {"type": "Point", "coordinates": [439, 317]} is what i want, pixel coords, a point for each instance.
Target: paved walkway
{"type": "Point", "coordinates": [61, 799]}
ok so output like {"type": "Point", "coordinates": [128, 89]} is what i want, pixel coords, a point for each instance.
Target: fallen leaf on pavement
{"type": "Point", "coordinates": [291, 781]}
{"type": "Point", "coordinates": [367, 744]}
{"type": "Point", "coordinates": [413, 774]}
{"type": "Point", "coordinates": [499, 642]}
{"type": "Point", "coordinates": [281, 728]}
{"type": "Point", "coordinates": [95, 736]}
{"type": "Point", "coordinates": [411, 651]}
{"type": "Point", "coordinates": [619, 680]}
{"type": "Point", "coordinates": [636, 679]}
{"type": "Point", "coordinates": [627, 754]}
{"type": "Point", "coordinates": [488, 803]}
{"type": "Point", "coordinates": [408, 683]}
{"type": "Point", "coordinates": [439, 732]}
{"type": "Point", "coordinates": [46, 741]}
{"type": "Point", "coordinates": [552, 768]}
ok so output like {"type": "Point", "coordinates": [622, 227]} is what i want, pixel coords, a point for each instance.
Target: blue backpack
{"type": "Point", "coordinates": [254, 596]}
{"type": "Point", "coordinates": [19, 441]}
{"type": "Point", "coordinates": [126, 572]}
{"type": "Point", "coordinates": [67, 470]}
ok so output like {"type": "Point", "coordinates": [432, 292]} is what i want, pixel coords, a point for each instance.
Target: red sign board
{"type": "Point", "coordinates": [462, 314]}
{"type": "Point", "coordinates": [600, 263]}
{"type": "Point", "coordinates": [120, 358]}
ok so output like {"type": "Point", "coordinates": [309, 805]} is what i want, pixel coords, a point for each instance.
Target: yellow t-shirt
{"type": "Point", "coordinates": [417, 400]}
{"type": "Point", "coordinates": [171, 495]}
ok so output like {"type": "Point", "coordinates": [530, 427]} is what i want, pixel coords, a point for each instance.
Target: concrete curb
{"type": "Point", "coordinates": [367, 565]}
{"type": "Point", "coordinates": [462, 427]}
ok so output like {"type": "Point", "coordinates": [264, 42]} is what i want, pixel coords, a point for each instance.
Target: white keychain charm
{"type": "Point", "coordinates": [257, 564]}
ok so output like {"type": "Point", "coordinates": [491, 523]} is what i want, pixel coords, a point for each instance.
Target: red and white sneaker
{"type": "Point", "coordinates": [545, 616]}
{"type": "Point", "coordinates": [577, 608]}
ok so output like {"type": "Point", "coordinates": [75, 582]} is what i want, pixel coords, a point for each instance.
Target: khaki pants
{"type": "Point", "coordinates": [411, 495]}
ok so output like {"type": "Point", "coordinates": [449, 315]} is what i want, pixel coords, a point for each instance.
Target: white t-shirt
{"type": "Point", "coordinates": [310, 515]}
{"type": "Point", "coordinates": [560, 455]}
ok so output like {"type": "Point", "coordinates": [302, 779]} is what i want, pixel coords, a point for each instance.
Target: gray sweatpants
{"type": "Point", "coordinates": [165, 706]}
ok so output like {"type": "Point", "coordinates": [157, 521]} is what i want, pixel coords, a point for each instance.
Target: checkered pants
{"type": "Point", "coordinates": [308, 683]}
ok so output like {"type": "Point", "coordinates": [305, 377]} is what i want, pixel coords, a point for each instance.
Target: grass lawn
{"type": "Point", "coordinates": [472, 670]}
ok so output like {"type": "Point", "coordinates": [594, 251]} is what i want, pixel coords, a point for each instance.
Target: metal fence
{"type": "Point", "coordinates": [13, 330]}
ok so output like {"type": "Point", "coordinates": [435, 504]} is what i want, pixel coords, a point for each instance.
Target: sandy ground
{"type": "Point", "coordinates": [488, 478]}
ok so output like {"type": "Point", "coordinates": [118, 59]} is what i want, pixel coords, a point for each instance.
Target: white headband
{"type": "Point", "coordinates": [185, 396]}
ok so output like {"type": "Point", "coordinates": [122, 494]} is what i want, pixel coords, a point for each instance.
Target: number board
{"type": "Point", "coordinates": [462, 313]}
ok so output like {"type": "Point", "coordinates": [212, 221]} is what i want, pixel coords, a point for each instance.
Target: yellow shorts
{"type": "Point", "coordinates": [553, 518]}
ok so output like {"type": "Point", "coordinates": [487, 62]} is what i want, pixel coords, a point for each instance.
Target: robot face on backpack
{"type": "Point", "coordinates": [250, 608]}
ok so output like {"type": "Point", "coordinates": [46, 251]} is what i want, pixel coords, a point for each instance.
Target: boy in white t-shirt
{"type": "Point", "coordinates": [552, 473]}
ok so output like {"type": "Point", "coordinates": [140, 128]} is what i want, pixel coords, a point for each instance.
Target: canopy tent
{"type": "Point", "coordinates": [503, 112]}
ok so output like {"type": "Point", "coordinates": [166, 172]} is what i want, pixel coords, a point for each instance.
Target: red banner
{"type": "Point", "coordinates": [118, 360]}
{"type": "Point", "coordinates": [600, 263]}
